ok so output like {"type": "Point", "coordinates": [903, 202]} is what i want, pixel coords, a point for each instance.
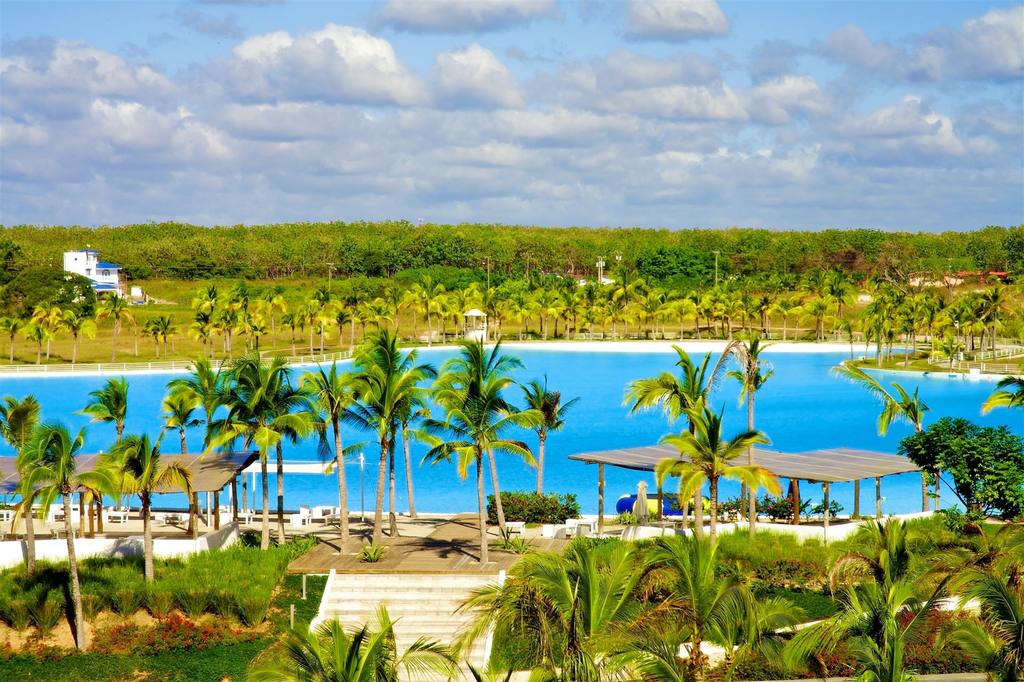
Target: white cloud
{"type": "Point", "coordinates": [464, 16]}
{"type": "Point", "coordinates": [989, 47]}
{"type": "Point", "coordinates": [474, 76]}
{"type": "Point", "coordinates": [674, 19]}
{"type": "Point", "coordinates": [781, 99]}
{"type": "Point", "coordinates": [334, 64]}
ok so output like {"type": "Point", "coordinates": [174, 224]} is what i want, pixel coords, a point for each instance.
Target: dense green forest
{"type": "Point", "coordinates": [385, 249]}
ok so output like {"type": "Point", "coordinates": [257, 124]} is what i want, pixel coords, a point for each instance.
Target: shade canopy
{"type": "Point", "coordinates": [831, 465]}
{"type": "Point", "coordinates": [475, 312]}
{"type": "Point", "coordinates": [209, 472]}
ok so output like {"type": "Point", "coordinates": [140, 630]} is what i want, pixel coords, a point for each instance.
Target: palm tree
{"type": "Point", "coordinates": [264, 408]}
{"type": "Point", "coordinates": [109, 404]}
{"type": "Point", "coordinates": [11, 326]}
{"type": "Point", "coordinates": [411, 410]}
{"type": "Point", "coordinates": [50, 318]}
{"type": "Point", "coordinates": [38, 333]}
{"type": "Point", "coordinates": [78, 326]}
{"type": "Point", "coordinates": [142, 473]}
{"type": "Point", "coordinates": [178, 408]}
{"type": "Point", "coordinates": [332, 654]}
{"type": "Point", "coordinates": [18, 418]}
{"type": "Point", "coordinates": [702, 607]}
{"type": "Point", "coordinates": [752, 375]}
{"type": "Point", "coordinates": [881, 607]}
{"type": "Point", "coordinates": [117, 308]}
{"type": "Point", "coordinates": [1009, 392]}
{"type": "Point", "coordinates": [383, 380]}
{"type": "Point", "coordinates": [553, 412]}
{"type": "Point", "coordinates": [994, 641]}
{"type": "Point", "coordinates": [562, 609]}
{"type": "Point", "coordinates": [903, 406]}
{"type": "Point", "coordinates": [465, 379]}
{"type": "Point", "coordinates": [53, 451]}
{"type": "Point", "coordinates": [706, 456]}
{"type": "Point", "coordinates": [677, 395]}
{"type": "Point", "coordinates": [333, 395]}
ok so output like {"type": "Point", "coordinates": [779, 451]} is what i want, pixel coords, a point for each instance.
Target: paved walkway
{"type": "Point", "coordinates": [451, 545]}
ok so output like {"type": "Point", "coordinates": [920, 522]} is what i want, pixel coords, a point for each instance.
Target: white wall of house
{"type": "Point", "coordinates": [88, 264]}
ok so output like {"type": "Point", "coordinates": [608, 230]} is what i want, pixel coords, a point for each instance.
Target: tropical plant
{"type": "Point", "coordinates": [560, 611]}
{"type": "Point", "coordinates": [705, 456]}
{"type": "Point", "coordinates": [109, 404]}
{"type": "Point", "coordinates": [333, 395]}
{"type": "Point", "coordinates": [143, 473]}
{"type": "Point", "coordinates": [118, 309]}
{"type": "Point", "coordinates": [18, 419]}
{"type": "Point", "coordinates": [994, 641]}
{"type": "Point", "coordinates": [553, 413]}
{"type": "Point", "coordinates": [53, 452]}
{"type": "Point", "coordinates": [383, 380]}
{"type": "Point", "coordinates": [178, 407]}
{"type": "Point", "coordinates": [754, 372]}
{"type": "Point", "coordinates": [901, 406]}
{"type": "Point", "coordinates": [263, 409]}
{"type": "Point", "coordinates": [11, 326]}
{"type": "Point", "coordinates": [476, 417]}
{"type": "Point", "coordinates": [331, 654]}
{"type": "Point", "coordinates": [1009, 392]}
{"type": "Point", "coordinates": [78, 325]}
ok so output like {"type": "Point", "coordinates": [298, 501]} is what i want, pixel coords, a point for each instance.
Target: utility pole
{"type": "Point", "coordinates": [716, 266]}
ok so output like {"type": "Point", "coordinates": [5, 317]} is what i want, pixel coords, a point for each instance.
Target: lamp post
{"type": "Point", "coordinates": [362, 490]}
{"type": "Point", "coordinates": [600, 269]}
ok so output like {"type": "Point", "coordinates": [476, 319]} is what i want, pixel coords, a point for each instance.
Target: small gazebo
{"type": "Point", "coordinates": [474, 324]}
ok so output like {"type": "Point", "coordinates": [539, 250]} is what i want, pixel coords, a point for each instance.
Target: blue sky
{"type": "Point", "coordinates": [666, 113]}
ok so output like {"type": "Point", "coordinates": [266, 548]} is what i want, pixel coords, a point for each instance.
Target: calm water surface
{"type": "Point", "coordinates": [802, 407]}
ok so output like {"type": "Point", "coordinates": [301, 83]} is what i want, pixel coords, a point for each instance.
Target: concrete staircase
{"type": "Point", "coordinates": [423, 604]}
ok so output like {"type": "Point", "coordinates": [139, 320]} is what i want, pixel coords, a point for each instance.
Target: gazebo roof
{"type": "Point", "coordinates": [831, 465]}
{"type": "Point", "coordinates": [209, 472]}
{"type": "Point", "coordinates": [475, 312]}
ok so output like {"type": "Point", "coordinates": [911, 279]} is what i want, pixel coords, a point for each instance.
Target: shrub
{"type": "Point", "coordinates": [626, 519]}
{"type": "Point", "coordinates": [834, 509]}
{"type": "Point", "coordinates": [91, 606]}
{"type": "Point", "coordinates": [515, 545]}
{"type": "Point", "coordinates": [14, 612]}
{"type": "Point", "coordinates": [46, 610]}
{"type": "Point", "coordinates": [126, 601]}
{"type": "Point", "coordinates": [534, 507]}
{"type": "Point", "coordinates": [191, 601]}
{"type": "Point", "coordinates": [173, 633]}
{"type": "Point", "coordinates": [160, 602]}
{"type": "Point", "coordinates": [780, 508]}
{"type": "Point", "coordinates": [251, 609]}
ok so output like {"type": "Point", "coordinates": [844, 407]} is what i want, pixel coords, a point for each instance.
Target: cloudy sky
{"type": "Point", "coordinates": [674, 113]}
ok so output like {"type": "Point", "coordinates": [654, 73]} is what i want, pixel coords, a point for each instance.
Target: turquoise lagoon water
{"type": "Point", "coordinates": [802, 407]}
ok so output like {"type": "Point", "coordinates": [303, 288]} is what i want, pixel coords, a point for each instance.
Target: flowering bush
{"type": "Point", "coordinates": [173, 633]}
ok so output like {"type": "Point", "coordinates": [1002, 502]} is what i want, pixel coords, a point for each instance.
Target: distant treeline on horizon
{"type": "Point", "coordinates": [387, 249]}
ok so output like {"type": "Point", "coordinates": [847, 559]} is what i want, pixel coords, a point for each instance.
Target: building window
{"type": "Point", "coordinates": [88, 271]}
{"type": "Point", "coordinates": [106, 273]}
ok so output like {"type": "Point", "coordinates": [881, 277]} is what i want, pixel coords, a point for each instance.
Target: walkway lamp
{"type": "Point", "coordinates": [362, 489]}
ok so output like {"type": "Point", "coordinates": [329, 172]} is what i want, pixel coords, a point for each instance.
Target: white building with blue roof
{"type": "Point", "coordinates": [105, 277]}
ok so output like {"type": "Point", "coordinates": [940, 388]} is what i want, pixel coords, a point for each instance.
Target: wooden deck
{"type": "Point", "coordinates": [452, 547]}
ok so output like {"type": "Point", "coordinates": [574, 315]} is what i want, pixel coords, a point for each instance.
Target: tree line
{"type": "Point", "coordinates": [387, 249]}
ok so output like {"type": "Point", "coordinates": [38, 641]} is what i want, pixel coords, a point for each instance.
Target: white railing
{"type": "Point", "coordinates": [156, 366]}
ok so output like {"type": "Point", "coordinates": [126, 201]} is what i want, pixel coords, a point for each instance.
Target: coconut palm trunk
{"type": "Point", "coordinates": [497, 491]}
{"type": "Point", "coordinates": [147, 538]}
{"type": "Point", "coordinates": [408, 473]}
{"type": "Point", "coordinates": [481, 509]}
{"type": "Point", "coordinates": [378, 513]}
{"type": "Point", "coordinates": [30, 538]}
{"type": "Point", "coordinates": [342, 488]}
{"type": "Point", "coordinates": [794, 485]}
{"type": "Point", "coordinates": [751, 493]}
{"type": "Point", "coordinates": [265, 531]}
{"type": "Point", "coordinates": [280, 493]}
{"type": "Point", "coordinates": [713, 485]}
{"type": "Point", "coordinates": [542, 437]}
{"type": "Point", "coordinates": [76, 589]}
{"type": "Point", "coordinates": [392, 516]}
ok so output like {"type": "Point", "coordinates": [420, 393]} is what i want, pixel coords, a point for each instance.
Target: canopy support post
{"type": "Point", "coordinates": [878, 498]}
{"type": "Point", "coordinates": [661, 503]}
{"type": "Point", "coordinates": [234, 497]}
{"type": "Point", "coordinates": [856, 499]}
{"type": "Point", "coordinates": [600, 498]}
{"type": "Point", "coordinates": [824, 494]}
{"type": "Point", "coordinates": [216, 510]}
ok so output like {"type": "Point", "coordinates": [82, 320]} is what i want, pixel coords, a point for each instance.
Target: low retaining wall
{"type": "Point", "coordinates": [13, 552]}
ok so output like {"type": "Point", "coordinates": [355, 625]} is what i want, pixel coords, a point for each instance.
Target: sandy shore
{"type": "Point", "coordinates": [690, 346]}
